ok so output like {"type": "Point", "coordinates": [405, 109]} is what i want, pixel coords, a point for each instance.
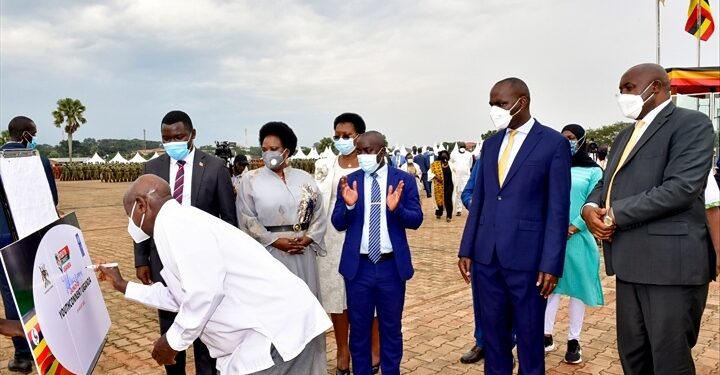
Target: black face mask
{"type": "Point", "coordinates": [444, 158]}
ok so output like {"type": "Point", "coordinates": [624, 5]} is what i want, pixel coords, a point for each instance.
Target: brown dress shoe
{"type": "Point", "coordinates": [474, 355]}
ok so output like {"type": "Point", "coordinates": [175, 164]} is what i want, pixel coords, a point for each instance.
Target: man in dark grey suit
{"type": "Point", "coordinates": [649, 211]}
{"type": "Point", "coordinates": [208, 188]}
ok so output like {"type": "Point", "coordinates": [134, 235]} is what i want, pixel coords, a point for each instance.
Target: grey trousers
{"type": "Point", "coordinates": [312, 360]}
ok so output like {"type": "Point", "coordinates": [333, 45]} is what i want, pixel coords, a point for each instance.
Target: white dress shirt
{"type": "Point", "coordinates": [522, 133]}
{"type": "Point", "coordinates": [385, 244]}
{"type": "Point", "coordinates": [228, 291]}
{"type": "Point", "coordinates": [187, 179]}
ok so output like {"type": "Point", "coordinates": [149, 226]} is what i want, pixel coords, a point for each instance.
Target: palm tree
{"type": "Point", "coordinates": [69, 112]}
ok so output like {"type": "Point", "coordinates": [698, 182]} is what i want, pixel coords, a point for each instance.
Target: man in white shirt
{"type": "Point", "coordinates": [461, 162]}
{"type": "Point", "coordinates": [253, 314]}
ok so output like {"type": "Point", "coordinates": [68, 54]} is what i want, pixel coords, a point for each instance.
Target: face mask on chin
{"type": "Point", "coordinates": [631, 105]}
{"type": "Point", "coordinates": [135, 231]}
{"type": "Point", "coordinates": [502, 117]}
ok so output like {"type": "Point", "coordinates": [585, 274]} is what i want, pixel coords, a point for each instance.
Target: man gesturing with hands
{"type": "Point", "coordinates": [378, 204]}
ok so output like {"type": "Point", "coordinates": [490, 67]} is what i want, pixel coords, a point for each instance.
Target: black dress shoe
{"type": "Point", "coordinates": [342, 372]}
{"type": "Point", "coordinates": [23, 365]}
{"type": "Point", "coordinates": [474, 355]}
{"type": "Point", "coordinates": [376, 369]}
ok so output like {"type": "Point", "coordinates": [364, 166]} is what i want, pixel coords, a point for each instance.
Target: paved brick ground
{"type": "Point", "coordinates": [438, 321]}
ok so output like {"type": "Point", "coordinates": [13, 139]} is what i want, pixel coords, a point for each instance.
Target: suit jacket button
{"type": "Point", "coordinates": [499, 198]}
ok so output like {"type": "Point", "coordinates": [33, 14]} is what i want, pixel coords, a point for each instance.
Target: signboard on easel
{"type": "Point", "coordinates": [58, 298]}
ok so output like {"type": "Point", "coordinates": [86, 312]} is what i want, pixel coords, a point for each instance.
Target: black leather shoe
{"type": "Point", "coordinates": [23, 365]}
{"type": "Point", "coordinates": [474, 355]}
{"type": "Point", "coordinates": [376, 369]}
{"type": "Point", "coordinates": [342, 372]}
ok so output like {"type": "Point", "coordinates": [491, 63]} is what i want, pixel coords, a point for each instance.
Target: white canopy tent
{"type": "Point", "coordinates": [155, 155]}
{"type": "Point", "coordinates": [95, 159]}
{"type": "Point", "coordinates": [299, 155]}
{"type": "Point", "coordinates": [137, 159]}
{"type": "Point", "coordinates": [313, 154]}
{"type": "Point", "coordinates": [328, 153]}
{"type": "Point", "coordinates": [118, 159]}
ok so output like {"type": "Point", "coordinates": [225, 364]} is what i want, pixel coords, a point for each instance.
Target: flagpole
{"type": "Point", "coordinates": [699, 24]}
{"type": "Point", "coordinates": [657, 18]}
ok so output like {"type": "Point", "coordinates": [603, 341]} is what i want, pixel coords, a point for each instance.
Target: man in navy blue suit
{"type": "Point", "coordinates": [514, 239]}
{"type": "Point", "coordinates": [378, 204]}
{"type": "Point", "coordinates": [23, 135]}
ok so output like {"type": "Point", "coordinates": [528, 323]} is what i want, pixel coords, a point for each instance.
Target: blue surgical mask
{"type": "Point", "coordinates": [345, 145]}
{"type": "Point", "coordinates": [573, 146]}
{"type": "Point", "coordinates": [177, 150]}
{"type": "Point", "coordinates": [32, 144]}
{"type": "Point", "coordinates": [368, 162]}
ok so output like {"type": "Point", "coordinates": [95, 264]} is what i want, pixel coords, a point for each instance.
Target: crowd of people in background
{"type": "Point", "coordinates": [542, 204]}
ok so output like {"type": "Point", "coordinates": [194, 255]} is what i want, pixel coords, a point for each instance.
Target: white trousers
{"type": "Point", "coordinates": [576, 310]}
{"type": "Point", "coordinates": [457, 194]}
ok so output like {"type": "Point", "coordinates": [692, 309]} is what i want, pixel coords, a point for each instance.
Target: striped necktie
{"type": "Point", "coordinates": [626, 152]}
{"type": "Point", "coordinates": [375, 212]}
{"type": "Point", "coordinates": [179, 181]}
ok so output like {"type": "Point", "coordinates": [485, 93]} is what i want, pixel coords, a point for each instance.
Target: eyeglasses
{"type": "Point", "coordinates": [345, 137]}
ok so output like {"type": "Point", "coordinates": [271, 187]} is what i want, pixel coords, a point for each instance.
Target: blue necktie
{"type": "Point", "coordinates": [375, 212]}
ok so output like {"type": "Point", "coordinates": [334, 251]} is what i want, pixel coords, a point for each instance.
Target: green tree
{"type": "Point", "coordinates": [606, 134]}
{"type": "Point", "coordinates": [488, 134]}
{"type": "Point", "coordinates": [69, 112]}
{"type": "Point", "coordinates": [4, 137]}
{"type": "Point", "coordinates": [325, 143]}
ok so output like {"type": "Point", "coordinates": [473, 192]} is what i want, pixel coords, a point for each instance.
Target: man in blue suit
{"type": "Point", "coordinates": [427, 160]}
{"type": "Point", "coordinates": [378, 204]}
{"type": "Point", "coordinates": [514, 239]}
{"type": "Point", "coordinates": [23, 135]}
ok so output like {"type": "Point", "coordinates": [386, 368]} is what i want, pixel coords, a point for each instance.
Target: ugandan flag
{"type": "Point", "coordinates": [700, 21]}
{"type": "Point", "coordinates": [46, 361]}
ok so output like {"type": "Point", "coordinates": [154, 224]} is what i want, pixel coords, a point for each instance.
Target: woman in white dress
{"type": "Point", "coordinates": [328, 172]}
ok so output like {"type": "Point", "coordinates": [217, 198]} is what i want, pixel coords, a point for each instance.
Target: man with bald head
{"type": "Point", "coordinates": [376, 205]}
{"type": "Point", "coordinates": [649, 211]}
{"type": "Point", "coordinates": [253, 314]}
{"type": "Point", "coordinates": [514, 239]}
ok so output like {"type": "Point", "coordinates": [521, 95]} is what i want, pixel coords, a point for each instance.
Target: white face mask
{"type": "Point", "coordinates": [368, 162]}
{"type": "Point", "coordinates": [501, 117]}
{"type": "Point", "coordinates": [631, 105]}
{"type": "Point", "coordinates": [137, 234]}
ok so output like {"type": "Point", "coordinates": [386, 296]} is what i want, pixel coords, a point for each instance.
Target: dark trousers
{"type": "Point", "coordinates": [426, 184]}
{"type": "Point", "coordinates": [204, 364]}
{"type": "Point", "coordinates": [22, 349]}
{"type": "Point", "coordinates": [509, 299]}
{"type": "Point", "coordinates": [448, 200]}
{"type": "Point", "coordinates": [657, 327]}
{"type": "Point", "coordinates": [376, 287]}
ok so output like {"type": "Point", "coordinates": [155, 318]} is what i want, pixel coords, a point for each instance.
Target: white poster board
{"type": "Point", "coordinates": [58, 298]}
{"type": "Point", "coordinates": [28, 193]}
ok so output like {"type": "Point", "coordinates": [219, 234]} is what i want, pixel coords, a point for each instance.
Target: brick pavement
{"type": "Point", "coordinates": [438, 321]}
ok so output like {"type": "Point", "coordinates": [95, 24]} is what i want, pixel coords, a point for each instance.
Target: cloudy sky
{"type": "Point", "coordinates": [418, 70]}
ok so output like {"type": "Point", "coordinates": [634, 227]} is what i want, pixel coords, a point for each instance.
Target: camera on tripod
{"type": "Point", "coordinates": [224, 150]}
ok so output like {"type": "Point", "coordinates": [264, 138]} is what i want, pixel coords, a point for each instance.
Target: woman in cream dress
{"type": "Point", "coordinates": [328, 172]}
